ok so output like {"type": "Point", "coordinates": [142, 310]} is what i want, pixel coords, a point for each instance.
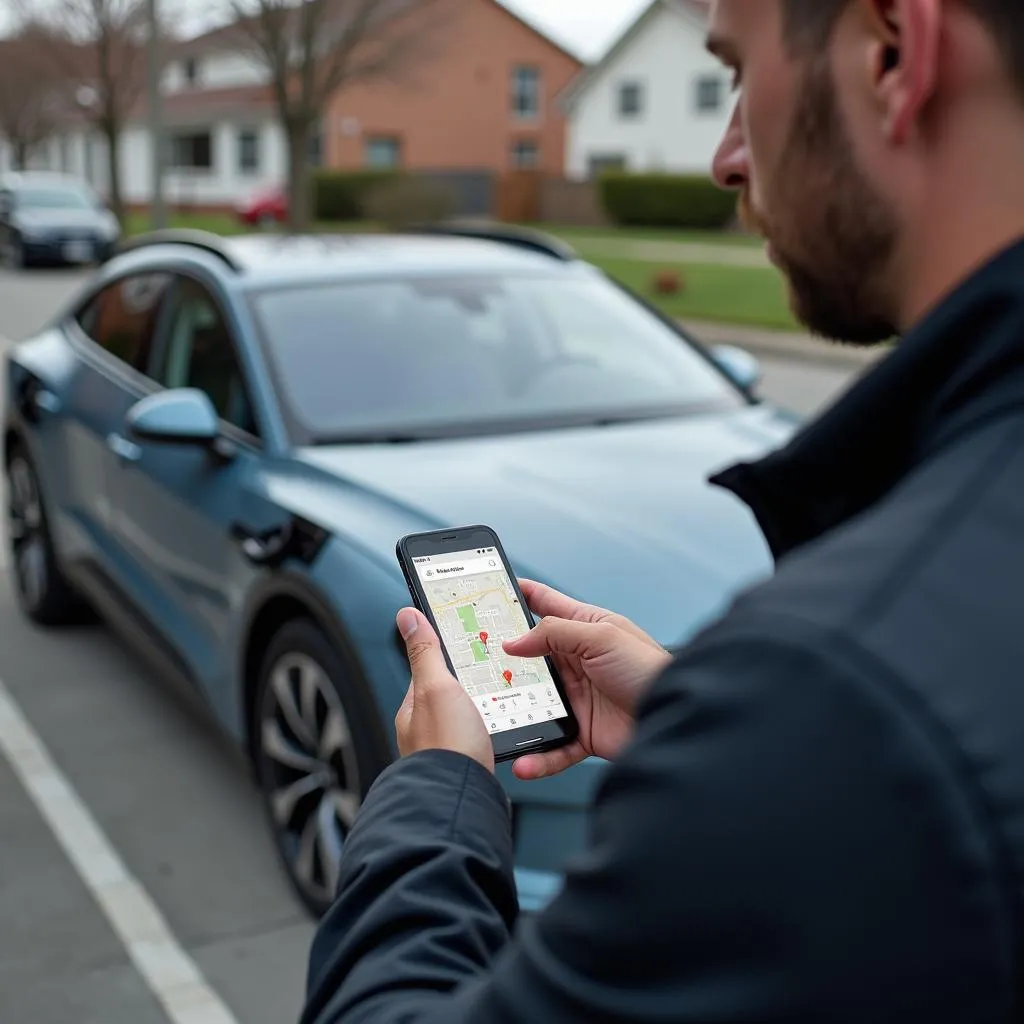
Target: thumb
{"type": "Point", "coordinates": [426, 659]}
{"type": "Point", "coordinates": [563, 636]}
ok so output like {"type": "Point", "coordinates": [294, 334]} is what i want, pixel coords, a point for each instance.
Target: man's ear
{"type": "Point", "coordinates": [904, 59]}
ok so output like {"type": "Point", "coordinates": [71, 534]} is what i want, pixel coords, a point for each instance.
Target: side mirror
{"type": "Point", "coordinates": [738, 365]}
{"type": "Point", "coordinates": [183, 416]}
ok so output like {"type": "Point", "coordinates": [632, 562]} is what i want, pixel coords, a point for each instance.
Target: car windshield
{"type": "Point", "coordinates": [52, 197]}
{"type": "Point", "coordinates": [421, 357]}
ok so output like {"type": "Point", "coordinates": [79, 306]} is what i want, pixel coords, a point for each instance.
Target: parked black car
{"type": "Point", "coordinates": [47, 217]}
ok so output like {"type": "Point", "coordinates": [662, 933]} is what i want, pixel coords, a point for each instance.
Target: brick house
{"type": "Point", "coordinates": [485, 104]}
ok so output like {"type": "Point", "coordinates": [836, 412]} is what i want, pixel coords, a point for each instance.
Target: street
{"type": "Point", "coordinates": [169, 796]}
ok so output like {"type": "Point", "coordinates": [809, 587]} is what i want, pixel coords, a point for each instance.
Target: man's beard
{"type": "Point", "coordinates": [831, 233]}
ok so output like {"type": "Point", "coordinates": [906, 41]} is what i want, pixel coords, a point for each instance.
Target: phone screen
{"type": "Point", "coordinates": [476, 609]}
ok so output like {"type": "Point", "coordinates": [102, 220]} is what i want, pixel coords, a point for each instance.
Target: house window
{"type": "Point", "coordinates": [190, 71]}
{"type": "Point", "coordinates": [525, 154]}
{"type": "Point", "coordinates": [631, 99]}
{"type": "Point", "coordinates": [606, 162]}
{"type": "Point", "coordinates": [383, 152]}
{"type": "Point", "coordinates": [526, 92]}
{"type": "Point", "coordinates": [709, 94]}
{"type": "Point", "coordinates": [191, 151]}
{"type": "Point", "coordinates": [248, 151]}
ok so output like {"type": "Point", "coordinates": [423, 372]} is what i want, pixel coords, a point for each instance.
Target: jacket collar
{"type": "Point", "coordinates": [963, 362]}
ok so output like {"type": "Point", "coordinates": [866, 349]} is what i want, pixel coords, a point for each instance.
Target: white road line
{"type": "Point", "coordinates": [170, 973]}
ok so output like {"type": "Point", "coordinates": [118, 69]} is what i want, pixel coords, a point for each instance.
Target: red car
{"type": "Point", "coordinates": [263, 208]}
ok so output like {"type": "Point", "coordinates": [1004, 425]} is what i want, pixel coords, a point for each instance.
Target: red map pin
{"type": "Point", "coordinates": [508, 676]}
{"type": "Point", "coordinates": [483, 636]}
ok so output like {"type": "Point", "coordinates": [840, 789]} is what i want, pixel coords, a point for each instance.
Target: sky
{"type": "Point", "coordinates": [585, 27]}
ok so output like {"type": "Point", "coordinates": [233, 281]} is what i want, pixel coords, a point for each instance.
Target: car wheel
{"type": "Point", "coordinates": [318, 747]}
{"type": "Point", "coordinates": [44, 594]}
{"type": "Point", "coordinates": [267, 221]}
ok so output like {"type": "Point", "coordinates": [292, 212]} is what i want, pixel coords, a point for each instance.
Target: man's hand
{"type": "Point", "coordinates": [437, 713]}
{"type": "Point", "coordinates": [606, 663]}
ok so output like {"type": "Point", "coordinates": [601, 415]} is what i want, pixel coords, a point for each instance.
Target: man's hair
{"type": "Point", "coordinates": [808, 25]}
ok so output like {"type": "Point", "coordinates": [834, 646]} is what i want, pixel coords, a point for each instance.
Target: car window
{"type": "Point", "coordinates": [123, 317]}
{"type": "Point", "coordinates": [198, 353]}
{"type": "Point", "coordinates": [459, 354]}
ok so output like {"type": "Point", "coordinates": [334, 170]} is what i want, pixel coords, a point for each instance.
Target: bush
{"type": "Point", "coordinates": [666, 201]}
{"type": "Point", "coordinates": [405, 202]}
{"type": "Point", "coordinates": [342, 195]}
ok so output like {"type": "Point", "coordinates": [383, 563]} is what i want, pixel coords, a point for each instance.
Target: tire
{"type": "Point", "coordinates": [43, 593]}
{"type": "Point", "coordinates": [314, 764]}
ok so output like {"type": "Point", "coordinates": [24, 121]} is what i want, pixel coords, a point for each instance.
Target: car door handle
{"type": "Point", "coordinates": [46, 401]}
{"type": "Point", "coordinates": [125, 450]}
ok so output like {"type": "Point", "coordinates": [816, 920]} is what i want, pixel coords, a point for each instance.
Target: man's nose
{"type": "Point", "coordinates": [730, 167]}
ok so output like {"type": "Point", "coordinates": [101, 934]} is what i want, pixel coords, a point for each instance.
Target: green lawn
{"type": "Point", "coordinates": [580, 236]}
{"type": "Point", "coordinates": [738, 295]}
{"type": "Point", "coordinates": [728, 294]}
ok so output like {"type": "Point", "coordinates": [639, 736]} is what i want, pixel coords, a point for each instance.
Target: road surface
{"type": "Point", "coordinates": [172, 804]}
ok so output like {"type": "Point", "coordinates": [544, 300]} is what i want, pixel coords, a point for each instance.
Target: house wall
{"type": "Point", "coordinates": [85, 154]}
{"type": "Point", "coordinates": [667, 57]}
{"type": "Point", "coordinates": [215, 71]}
{"type": "Point", "coordinates": [455, 112]}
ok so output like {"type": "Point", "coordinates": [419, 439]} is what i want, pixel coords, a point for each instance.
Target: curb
{"type": "Point", "coordinates": [771, 344]}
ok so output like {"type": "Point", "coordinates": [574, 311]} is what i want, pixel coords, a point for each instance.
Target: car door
{"type": "Point", "coordinates": [112, 335]}
{"type": "Point", "coordinates": [176, 504]}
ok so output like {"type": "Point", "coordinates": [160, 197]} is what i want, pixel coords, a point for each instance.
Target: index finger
{"type": "Point", "coordinates": [546, 602]}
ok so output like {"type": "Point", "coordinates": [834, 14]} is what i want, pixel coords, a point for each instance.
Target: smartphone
{"type": "Point", "coordinates": [461, 580]}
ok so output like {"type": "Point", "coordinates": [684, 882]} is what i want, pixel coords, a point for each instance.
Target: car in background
{"type": "Point", "coordinates": [218, 442]}
{"type": "Point", "coordinates": [264, 208]}
{"type": "Point", "coordinates": [53, 218]}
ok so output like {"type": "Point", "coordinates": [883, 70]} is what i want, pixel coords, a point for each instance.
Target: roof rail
{"type": "Point", "coordinates": [524, 238]}
{"type": "Point", "coordinates": [207, 241]}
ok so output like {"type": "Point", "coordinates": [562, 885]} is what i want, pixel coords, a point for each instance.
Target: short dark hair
{"type": "Point", "coordinates": [808, 25]}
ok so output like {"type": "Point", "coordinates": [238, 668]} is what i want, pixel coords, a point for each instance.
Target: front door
{"type": "Point", "coordinates": [176, 504]}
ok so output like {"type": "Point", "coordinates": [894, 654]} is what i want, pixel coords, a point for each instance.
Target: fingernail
{"type": "Point", "coordinates": [408, 623]}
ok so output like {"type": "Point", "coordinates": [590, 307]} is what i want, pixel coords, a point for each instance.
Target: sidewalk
{"type": "Point", "coordinates": [771, 344]}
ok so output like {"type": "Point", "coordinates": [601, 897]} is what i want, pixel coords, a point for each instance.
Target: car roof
{"type": "Point", "coordinates": [261, 260]}
{"type": "Point", "coordinates": [16, 179]}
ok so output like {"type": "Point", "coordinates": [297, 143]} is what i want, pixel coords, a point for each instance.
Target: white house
{"type": "Point", "coordinates": [223, 141]}
{"type": "Point", "coordinates": [657, 100]}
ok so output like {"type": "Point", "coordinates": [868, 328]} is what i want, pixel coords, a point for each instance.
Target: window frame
{"type": "Point", "coordinates": [640, 94]}
{"type": "Point", "coordinates": [243, 134]}
{"type": "Point", "coordinates": [699, 84]}
{"type": "Point", "coordinates": [389, 140]}
{"type": "Point", "coordinates": [515, 94]}
{"type": "Point", "coordinates": [515, 155]}
{"type": "Point", "coordinates": [174, 138]}
{"type": "Point", "coordinates": [141, 381]}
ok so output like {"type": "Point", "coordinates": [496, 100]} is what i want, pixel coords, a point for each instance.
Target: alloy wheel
{"type": "Point", "coordinates": [310, 771]}
{"type": "Point", "coordinates": [26, 532]}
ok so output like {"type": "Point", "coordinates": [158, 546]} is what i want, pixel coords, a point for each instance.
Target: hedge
{"type": "Point", "coordinates": [666, 201]}
{"type": "Point", "coordinates": [342, 195]}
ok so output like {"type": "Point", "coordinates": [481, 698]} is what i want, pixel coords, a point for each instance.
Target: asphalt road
{"type": "Point", "coordinates": [173, 807]}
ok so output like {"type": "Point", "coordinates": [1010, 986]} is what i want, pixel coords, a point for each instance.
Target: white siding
{"type": "Point", "coordinates": [667, 57]}
{"type": "Point", "coordinates": [85, 154]}
{"type": "Point", "coordinates": [216, 71]}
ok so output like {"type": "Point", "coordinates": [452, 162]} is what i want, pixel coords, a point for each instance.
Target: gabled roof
{"type": "Point", "coordinates": [693, 11]}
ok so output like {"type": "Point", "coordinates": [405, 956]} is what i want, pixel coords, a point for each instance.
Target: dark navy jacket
{"type": "Point", "coordinates": [821, 817]}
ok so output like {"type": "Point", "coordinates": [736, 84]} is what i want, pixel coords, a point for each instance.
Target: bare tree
{"type": "Point", "coordinates": [99, 46]}
{"type": "Point", "coordinates": [312, 49]}
{"type": "Point", "coordinates": [32, 94]}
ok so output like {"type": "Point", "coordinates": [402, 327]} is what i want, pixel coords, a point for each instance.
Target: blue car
{"type": "Point", "coordinates": [216, 445]}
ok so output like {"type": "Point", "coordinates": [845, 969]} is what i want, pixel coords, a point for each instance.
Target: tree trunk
{"type": "Point", "coordinates": [112, 133]}
{"type": "Point", "coordinates": [298, 176]}
{"type": "Point", "coordinates": [21, 155]}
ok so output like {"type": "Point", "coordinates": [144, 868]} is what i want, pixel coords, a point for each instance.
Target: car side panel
{"type": "Point", "coordinates": [67, 437]}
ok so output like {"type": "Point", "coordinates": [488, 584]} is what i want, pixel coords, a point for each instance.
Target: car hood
{"type": "Point", "coordinates": [621, 516]}
{"type": "Point", "coordinates": [49, 220]}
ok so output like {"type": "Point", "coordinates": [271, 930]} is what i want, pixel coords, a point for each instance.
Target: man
{"type": "Point", "coordinates": [817, 811]}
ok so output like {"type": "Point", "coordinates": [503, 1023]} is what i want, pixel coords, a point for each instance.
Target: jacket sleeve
{"type": "Point", "coordinates": [788, 838]}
